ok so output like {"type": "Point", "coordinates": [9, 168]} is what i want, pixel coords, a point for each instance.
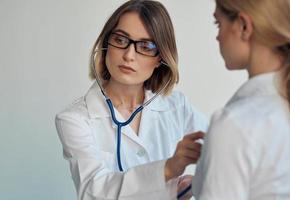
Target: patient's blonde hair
{"type": "Point", "coordinates": [271, 21]}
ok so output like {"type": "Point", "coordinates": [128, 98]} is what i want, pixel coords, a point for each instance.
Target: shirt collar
{"type": "Point", "coordinates": [97, 106]}
{"type": "Point", "coordinates": [263, 84]}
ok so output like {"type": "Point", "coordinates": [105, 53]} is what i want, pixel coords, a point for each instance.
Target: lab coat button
{"type": "Point", "coordinates": [141, 153]}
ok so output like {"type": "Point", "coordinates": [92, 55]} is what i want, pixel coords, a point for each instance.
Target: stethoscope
{"type": "Point", "coordinates": [129, 120]}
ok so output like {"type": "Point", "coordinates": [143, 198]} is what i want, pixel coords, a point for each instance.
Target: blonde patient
{"type": "Point", "coordinates": [246, 154]}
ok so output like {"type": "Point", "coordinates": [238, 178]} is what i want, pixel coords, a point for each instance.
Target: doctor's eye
{"type": "Point", "coordinates": [146, 46]}
{"type": "Point", "coordinates": [119, 40]}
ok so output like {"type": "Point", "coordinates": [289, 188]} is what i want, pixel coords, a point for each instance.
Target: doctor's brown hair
{"type": "Point", "coordinates": [271, 20]}
{"type": "Point", "coordinates": [158, 23]}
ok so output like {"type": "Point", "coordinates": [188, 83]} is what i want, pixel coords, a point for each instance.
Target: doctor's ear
{"type": "Point", "coordinates": [159, 62]}
{"type": "Point", "coordinates": [246, 26]}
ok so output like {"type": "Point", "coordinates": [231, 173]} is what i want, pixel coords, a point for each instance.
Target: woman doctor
{"type": "Point", "coordinates": [246, 155]}
{"type": "Point", "coordinates": [135, 57]}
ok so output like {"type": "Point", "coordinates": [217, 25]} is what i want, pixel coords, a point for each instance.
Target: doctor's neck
{"type": "Point", "coordinates": [125, 96]}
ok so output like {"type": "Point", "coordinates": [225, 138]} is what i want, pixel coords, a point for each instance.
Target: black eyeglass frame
{"type": "Point", "coordinates": [132, 42]}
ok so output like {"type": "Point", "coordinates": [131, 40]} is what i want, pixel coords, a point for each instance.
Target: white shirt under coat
{"type": "Point", "coordinates": [88, 136]}
{"type": "Point", "coordinates": [246, 154]}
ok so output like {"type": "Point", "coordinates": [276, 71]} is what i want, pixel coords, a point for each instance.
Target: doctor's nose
{"type": "Point", "coordinates": [130, 53]}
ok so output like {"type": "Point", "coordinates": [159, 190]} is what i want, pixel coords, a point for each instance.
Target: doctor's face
{"type": "Point", "coordinates": [130, 62]}
{"type": "Point", "coordinates": [232, 47]}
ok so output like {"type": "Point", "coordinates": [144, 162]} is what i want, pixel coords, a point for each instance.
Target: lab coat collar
{"type": "Point", "coordinates": [96, 102]}
{"type": "Point", "coordinates": [159, 104]}
{"type": "Point", "coordinates": [263, 84]}
{"type": "Point", "coordinates": [97, 106]}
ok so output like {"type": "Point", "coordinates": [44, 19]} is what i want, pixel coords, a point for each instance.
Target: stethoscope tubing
{"type": "Point", "coordinates": [119, 127]}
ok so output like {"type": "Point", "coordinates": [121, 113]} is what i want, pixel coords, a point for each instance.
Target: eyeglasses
{"type": "Point", "coordinates": [145, 47]}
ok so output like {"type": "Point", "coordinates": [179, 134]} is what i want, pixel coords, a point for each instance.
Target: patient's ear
{"type": "Point", "coordinates": [246, 26]}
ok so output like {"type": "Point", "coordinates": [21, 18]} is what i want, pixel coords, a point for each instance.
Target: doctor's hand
{"type": "Point", "coordinates": [183, 183]}
{"type": "Point", "coordinates": [187, 152]}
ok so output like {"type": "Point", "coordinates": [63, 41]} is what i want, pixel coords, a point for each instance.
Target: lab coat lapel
{"type": "Point", "coordinates": [97, 108]}
{"type": "Point", "coordinates": [127, 130]}
{"type": "Point", "coordinates": [149, 117]}
{"type": "Point", "coordinates": [156, 105]}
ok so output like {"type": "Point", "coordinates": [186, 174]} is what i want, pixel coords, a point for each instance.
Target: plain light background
{"type": "Point", "coordinates": [44, 56]}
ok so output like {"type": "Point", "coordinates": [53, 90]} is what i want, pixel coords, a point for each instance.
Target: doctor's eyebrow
{"type": "Point", "coordinates": [128, 35]}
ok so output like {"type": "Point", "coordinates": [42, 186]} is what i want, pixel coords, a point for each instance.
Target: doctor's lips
{"type": "Point", "coordinates": [126, 68]}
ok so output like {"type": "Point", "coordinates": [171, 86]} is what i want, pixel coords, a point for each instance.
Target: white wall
{"type": "Point", "coordinates": [44, 52]}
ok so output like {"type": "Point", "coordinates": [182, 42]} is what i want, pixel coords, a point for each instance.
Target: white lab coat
{"type": "Point", "coordinates": [88, 136]}
{"type": "Point", "coordinates": [246, 155]}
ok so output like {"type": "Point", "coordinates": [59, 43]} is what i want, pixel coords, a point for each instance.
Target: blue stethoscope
{"type": "Point", "coordinates": [125, 123]}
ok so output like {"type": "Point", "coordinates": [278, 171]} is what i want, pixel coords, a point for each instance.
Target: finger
{"type": "Point", "coordinates": [195, 135]}
{"type": "Point", "coordinates": [185, 160]}
{"type": "Point", "coordinates": [190, 140]}
{"type": "Point", "coordinates": [181, 188]}
{"type": "Point", "coordinates": [192, 154]}
{"type": "Point", "coordinates": [185, 180]}
{"type": "Point", "coordinates": [192, 146]}
{"type": "Point", "coordinates": [193, 157]}
{"type": "Point", "coordinates": [185, 177]}
{"type": "Point", "coordinates": [187, 157]}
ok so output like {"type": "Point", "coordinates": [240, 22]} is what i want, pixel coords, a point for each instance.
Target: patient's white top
{"type": "Point", "coordinates": [246, 155]}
